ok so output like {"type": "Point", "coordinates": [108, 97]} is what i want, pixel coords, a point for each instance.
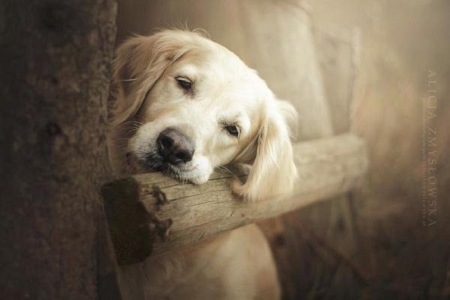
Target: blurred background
{"type": "Point", "coordinates": [377, 68]}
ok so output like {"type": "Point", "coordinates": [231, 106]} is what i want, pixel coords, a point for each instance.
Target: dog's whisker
{"type": "Point", "coordinates": [226, 170]}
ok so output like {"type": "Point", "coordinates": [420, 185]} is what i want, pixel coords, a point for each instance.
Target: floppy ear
{"type": "Point", "coordinates": [273, 172]}
{"type": "Point", "coordinates": [139, 63]}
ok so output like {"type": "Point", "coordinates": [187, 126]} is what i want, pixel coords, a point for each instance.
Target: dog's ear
{"type": "Point", "coordinates": [140, 62]}
{"type": "Point", "coordinates": [273, 172]}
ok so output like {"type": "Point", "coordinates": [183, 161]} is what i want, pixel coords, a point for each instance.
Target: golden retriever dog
{"type": "Point", "coordinates": [185, 105]}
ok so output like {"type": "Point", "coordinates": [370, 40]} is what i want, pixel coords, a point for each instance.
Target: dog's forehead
{"type": "Point", "coordinates": [214, 59]}
{"type": "Point", "coordinates": [220, 68]}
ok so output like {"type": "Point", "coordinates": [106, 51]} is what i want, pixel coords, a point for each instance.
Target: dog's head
{"type": "Point", "coordinates": [188, 105]}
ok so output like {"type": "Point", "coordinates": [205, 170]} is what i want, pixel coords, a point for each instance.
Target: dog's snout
{"type": "Point", "coordinates": [175, 147]}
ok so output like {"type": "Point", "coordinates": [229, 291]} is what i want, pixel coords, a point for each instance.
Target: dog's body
{"type": "Point", "coordinates": [184, 106]}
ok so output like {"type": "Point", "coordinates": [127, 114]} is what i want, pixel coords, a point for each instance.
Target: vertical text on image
{"type": "Point", "coordinates": [430, 153]}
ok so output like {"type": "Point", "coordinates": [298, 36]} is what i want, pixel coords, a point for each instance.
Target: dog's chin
{"type": "Point", "coordinates": [155, 163]}
{"type": "Point", "coordinates": [183, 173]}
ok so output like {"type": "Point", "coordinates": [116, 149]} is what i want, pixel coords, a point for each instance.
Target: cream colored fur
{"type": "Point", "coordinates": [149, 99]}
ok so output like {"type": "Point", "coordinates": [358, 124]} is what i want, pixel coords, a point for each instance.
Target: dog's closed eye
{"type": "Point", "coordinates": [231, 126]}
{"type": "Point", "coordinates": [232, 130]}
{"type": "Point", "coordinates": [184, 83]}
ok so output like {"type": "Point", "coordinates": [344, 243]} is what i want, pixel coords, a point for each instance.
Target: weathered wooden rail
{"type": "Point", "coordinates": [149, 214]}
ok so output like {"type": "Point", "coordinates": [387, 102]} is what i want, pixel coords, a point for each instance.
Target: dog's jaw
{"type": "Point", "coordinates": [146, 159]}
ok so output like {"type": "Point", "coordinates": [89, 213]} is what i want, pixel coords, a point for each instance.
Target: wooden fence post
{"type": "Point", "coordinates": [150, 214]}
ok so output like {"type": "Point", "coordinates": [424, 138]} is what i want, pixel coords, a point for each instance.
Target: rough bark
{"type": "Point", "coordinates": [54, 77]}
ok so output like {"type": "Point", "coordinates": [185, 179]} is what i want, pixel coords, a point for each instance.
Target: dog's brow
{"type": "Point", "coordinates": [189, 71]}
{"type": "Point", "coordinates": [230, 119]}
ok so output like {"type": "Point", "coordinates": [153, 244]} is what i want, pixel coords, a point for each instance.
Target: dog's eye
{"type": "Point", "coordinates": [232, 129]}
{"type": "Point", "coordinates": [184, 83]}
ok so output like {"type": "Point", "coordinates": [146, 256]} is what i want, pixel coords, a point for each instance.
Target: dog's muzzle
{"type": "Point", "coordinates": [174, 146]}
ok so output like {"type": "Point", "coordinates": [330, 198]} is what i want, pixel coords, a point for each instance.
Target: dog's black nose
{"type": "Point", "coordinates": [174, 146]}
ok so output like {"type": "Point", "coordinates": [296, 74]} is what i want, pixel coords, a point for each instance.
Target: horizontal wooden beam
{"type": "Point", "coordinates": [150, 214]}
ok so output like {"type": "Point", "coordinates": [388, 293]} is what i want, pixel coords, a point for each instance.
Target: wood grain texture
{"type": "Point", "coordinates": [327, 167]}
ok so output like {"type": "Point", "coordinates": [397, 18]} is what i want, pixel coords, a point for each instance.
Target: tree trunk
{"type": "Point", "coordinates": [54, 58]}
